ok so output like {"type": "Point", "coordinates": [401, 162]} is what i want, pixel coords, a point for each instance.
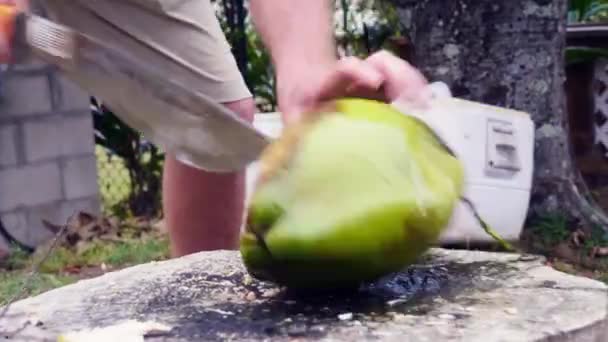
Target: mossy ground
{"type": "Point", "coordinates": [582, 251]}
{"type": "Point", "coordinates": [64, 266]}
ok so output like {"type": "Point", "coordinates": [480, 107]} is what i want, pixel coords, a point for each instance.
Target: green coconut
{"type": "Point", "coordinates": [357, 191]}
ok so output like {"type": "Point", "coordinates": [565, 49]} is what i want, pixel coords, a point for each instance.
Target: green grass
{"type": "Point", "coordinates": [11, 284]}
{"type": "Point", "coordinates": [552, 233]}
{"type": "Point", "coordinates": [130, 254]}
{"type": "Point", "coordinates": [550, 230]}
{"type": "Point", "coordinates": [112, 254]}
{"type": "Point", "coordinates": [53, 272]}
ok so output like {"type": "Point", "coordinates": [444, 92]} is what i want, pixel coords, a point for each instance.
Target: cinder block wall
{"type": "Point", "coordinates": [47, 159]}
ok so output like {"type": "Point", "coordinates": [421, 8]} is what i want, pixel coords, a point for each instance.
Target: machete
{"type": "Point", "coordinates": [187, 123]}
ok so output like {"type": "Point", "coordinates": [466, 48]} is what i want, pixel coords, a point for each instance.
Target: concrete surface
{"type": "Point", "coordinates": [450, 296]}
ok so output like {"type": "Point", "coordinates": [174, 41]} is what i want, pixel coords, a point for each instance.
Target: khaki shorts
{"type": "Point", "coordinates": [187, 32]}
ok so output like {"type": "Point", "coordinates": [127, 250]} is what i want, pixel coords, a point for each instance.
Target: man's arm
{"type": "Point", "coordinates": [299, 36]}
{"type": "Point", "coordinates": [295, 31]}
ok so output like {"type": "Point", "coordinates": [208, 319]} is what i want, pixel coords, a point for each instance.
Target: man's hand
{"type": "Point", "coordinates": [299, 36]}
{"type": "Point", "coordinates": [382, 76]}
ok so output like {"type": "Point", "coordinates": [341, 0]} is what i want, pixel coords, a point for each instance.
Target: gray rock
{"type": "Point", "coordinates": [448, 296]}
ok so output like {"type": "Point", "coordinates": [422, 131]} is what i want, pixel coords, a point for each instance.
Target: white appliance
{"type": "Point", "coordinates": [496, 147]}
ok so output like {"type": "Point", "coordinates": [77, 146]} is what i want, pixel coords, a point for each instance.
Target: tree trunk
{"type": "Point", "coordinates": [508, 53]}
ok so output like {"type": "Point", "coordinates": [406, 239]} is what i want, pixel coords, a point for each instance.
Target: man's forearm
{"type": "Point", "coordinates": [295, 31]}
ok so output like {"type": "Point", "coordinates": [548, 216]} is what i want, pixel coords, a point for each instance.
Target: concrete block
{"type": "Point", "coordinates": [73, 97]}
{"type": "Point", "coordinates": [16, 223]}
{"type": "Point", "coordinates": [50, 212]}
{"type": "Point", "coordinates": [29, 63]}
{"type": "Point", "coordinates": [43, 139]}
{"type": "Point", "coordinates": [26, 95]}
{"type": "Point", "coordinates": [29, 185]}
{"type": "Point", "coordinates": [58, 136]}
{"type": "Point", "coordinates": [80, 177]}
{"type": "Point", "coordinates": [91, 205]}
{"type": "Point", "coordinates": [36, 233]}
{"type": "Point", "coordinates": [56, 213]}
{"type": "Point", "coordinates": [28, 224]}
{"type": "Point", "coordinates": [8, 146]}
{"type": "Point", "coordinates": [78, 135]}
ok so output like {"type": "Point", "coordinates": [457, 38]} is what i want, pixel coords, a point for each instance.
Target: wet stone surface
{"type": "Point", "coordinates": [450, 295]}
{"type": "Point", "coordinates": [283, 313]}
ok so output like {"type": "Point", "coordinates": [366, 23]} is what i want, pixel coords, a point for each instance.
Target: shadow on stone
{"type": "Point", "coordinates": [412, 292]}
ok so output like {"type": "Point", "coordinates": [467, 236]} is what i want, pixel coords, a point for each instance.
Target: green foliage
{"type": "Point", "coordinates": [249, 51]}
{"type": "Point", "coordinates": [585, 11]}
{"type": "Point", "coordinates": [260, 75]}
{"type": "Point", "coordinates": [598, 237]}
{"type": "Point", "coordinates": [551, 229]}
{"type": "Point", "coordinates": [17, 259]}
{"type": "Point", "coordinates": [364, 27]}
{"type": "Point", "coordinates": [584, 54]}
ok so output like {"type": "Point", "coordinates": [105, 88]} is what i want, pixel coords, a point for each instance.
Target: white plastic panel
{"type": "Point", "coordinates": [475, 124]}
{"type": "Point", "coordinates": [504, 210]}
{"type": "Point", "coordinates": [503, 148]}
{"type": "Point", "coordinates": [269, 124]}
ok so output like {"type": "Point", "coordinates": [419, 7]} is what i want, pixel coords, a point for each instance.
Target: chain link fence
{"type": "Point", "coordinates": [114, 180]}
{"type": "Point", "coordinates": [121, 193]}
{"type": "Point", "coordinates": [129, 167]}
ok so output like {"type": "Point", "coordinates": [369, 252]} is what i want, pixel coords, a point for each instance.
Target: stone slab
{"type": "Point", "coordinates": [449, 296]}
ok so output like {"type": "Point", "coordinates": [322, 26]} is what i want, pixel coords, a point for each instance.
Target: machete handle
{"type": "Point", "coordinates": [8, 18]}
